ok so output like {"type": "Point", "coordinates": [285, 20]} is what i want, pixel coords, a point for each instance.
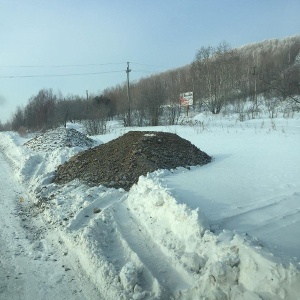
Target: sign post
{"type": "Point", "coordinates": [187, 99]}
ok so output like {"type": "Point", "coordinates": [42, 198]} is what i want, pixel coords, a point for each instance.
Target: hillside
{"type": "Point", "coordinates": [218, 76]}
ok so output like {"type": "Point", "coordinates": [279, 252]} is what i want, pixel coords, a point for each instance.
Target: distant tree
{"type": "Point", "coordinates": [138, 109]}
{"type": "Point", "coordinates": [70, 109]}
{"type": "Point", "coordinates": [97, 118]}
{"type": "Point", "coordinates": [63, 111]}
{"type": "Point", "coordinates": [18, 119]}
{"type": "Point", "coordinates": [153, 97]}
{"type": "Point", "coordinates": [115, 95]}
{"type": "Point", "coordinates": [282, 76]}
{"type": "Point", "coordinates": [215, 73]}
{"type": "Point", "coordinates": [176, 82]}
{"type": "Point", "coordinates": [119, 101]}
{"type": "Point", "coordinates": [40, 111]}
{"type": "Point", "coordinates": [104, 103]}
{"type": "Point", "coordinates": [5, 127]}
{"type": "Point", "coordinates": [78, 111]}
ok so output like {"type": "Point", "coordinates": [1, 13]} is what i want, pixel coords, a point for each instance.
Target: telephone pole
{"type": "Point", "coordinates": [255, 92]}
{"type": "Point", "coordinates": [87, 102]}
{"type": "Point", "coordinates": [128, 96]}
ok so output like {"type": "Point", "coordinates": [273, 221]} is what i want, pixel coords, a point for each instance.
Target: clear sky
{"type": "Point", "coordinates": [41, 41]}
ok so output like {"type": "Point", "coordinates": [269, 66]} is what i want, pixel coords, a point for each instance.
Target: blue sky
{"type": "Point", "coordinates": [47, 38]}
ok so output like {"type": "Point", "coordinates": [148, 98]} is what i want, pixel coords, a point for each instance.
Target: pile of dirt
{"type": "Point", "coordinates": [58, 138]}
{"type": "Point", "coordinates": [120, 162]}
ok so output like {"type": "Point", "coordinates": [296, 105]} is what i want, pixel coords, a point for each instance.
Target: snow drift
{"type": "Point", "coordinates": [145, 244]}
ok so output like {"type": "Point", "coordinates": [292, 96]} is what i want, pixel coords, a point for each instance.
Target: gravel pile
{"type": "Point", "coordinates": [120, 162]}
{"type": "Point", "coordinates": [58, 138]}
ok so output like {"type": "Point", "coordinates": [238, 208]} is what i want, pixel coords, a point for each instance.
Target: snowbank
{"type": "Point", "coordinates": [145, 244]}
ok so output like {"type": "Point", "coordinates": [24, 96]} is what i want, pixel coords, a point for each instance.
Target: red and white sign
{"type": "Point", "coordinates": [186, 99]}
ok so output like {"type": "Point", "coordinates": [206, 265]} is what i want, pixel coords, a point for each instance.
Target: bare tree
{"type": "Point", "coordinates": [176, 82]}
{"type": "Point", "coordinates": [215, 73]}
{"type": "Point", "coordinates": [18, 119]}
{"type": "Point", "coordinates": [282, 77]}
{"type": "Point", "coordinates": [98, 115]}
{"type": "Point", "coordinates": [39, 112]}
{"type": "Point", "coordinates": [153, 97]}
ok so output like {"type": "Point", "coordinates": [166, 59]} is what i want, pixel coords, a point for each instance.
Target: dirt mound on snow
{"type": "Point", "coordinates": [120, 162]}
{"type": "Point", "coordinates": [59, 137]}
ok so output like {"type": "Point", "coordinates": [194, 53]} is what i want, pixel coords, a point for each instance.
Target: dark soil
{"type": "Point", "coordinates": [120, 162]}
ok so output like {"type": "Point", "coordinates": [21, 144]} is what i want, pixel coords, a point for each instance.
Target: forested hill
{"type": "Point", "coordinates": [218, 75]}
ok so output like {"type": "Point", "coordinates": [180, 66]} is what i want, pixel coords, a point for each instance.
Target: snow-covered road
{"type": "Point", "coordinates": [33, 262]}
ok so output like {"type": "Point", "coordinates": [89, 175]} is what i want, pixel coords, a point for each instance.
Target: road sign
{"type": "Point", "coordinates": [186, 99]}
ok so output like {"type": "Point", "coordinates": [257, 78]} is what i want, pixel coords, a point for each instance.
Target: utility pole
{"type": "Point", "coordinates": [255, 93]}
{"type": "Point", "coordinates": [87, 102]}
{"type": "Point", "coordinates": [128, 96]}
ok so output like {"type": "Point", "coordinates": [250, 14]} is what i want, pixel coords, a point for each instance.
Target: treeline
{"type": "Point", "coordinates": [218, 76]}
{"type": "Point", "coordinates": [48, 110]}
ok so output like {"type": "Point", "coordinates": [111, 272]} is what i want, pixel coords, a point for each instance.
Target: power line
{"type": "Point", "coordinates": [74, 74]}
{"type": "Point", "coordinates": [60, 66]}
{"type": "Point", "coordinates": [69, 74]}
{"type": "Point", "coordinates": [58, 75]}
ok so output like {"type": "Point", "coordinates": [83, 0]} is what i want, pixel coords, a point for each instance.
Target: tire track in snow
{"type": "Point", "coordinates": [148, 251]}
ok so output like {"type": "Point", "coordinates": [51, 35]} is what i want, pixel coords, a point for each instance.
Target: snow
{"type": "Point", "coordinates": [32, 266]}
{"type": "Point", "coordinates": [226, 230]}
